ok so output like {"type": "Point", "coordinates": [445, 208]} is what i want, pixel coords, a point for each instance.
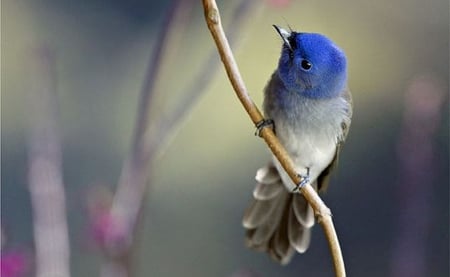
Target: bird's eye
{"type": "Point", "coordinates": [306, 65]}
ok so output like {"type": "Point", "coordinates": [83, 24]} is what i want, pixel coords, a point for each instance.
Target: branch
{"type": "Point", "coordinates": [45, 172]}
{"type": "Point", "coordinates": [132, 188]}
{"type": "Point", "coordinates": [322, 211]}
{"type": "Point", "coordinates": [167, 126]}
{"type": "Point", "coordinates": [134, 173]}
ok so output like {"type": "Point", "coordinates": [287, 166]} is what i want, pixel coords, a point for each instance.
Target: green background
{"type": "Point", "coordinates": [202, 182]}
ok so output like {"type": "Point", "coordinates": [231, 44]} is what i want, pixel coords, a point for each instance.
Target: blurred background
{"type": "Point", "coordinates": [389, 197]}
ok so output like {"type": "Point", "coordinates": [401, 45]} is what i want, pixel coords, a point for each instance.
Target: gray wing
{"type": "Point", "coordinates": [324, 177]}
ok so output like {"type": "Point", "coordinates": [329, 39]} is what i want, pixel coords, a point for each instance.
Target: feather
{"type": "Point", "coordinates": [267, 175]}
{"type": "Point", "coordinates": [260, 236]}
{"type": "Point", "coordinates": [303, 211]}
{"type": "Point", "coordinates": [281, 249]}
{"type": "Point", "coordinates": [271, 222]}
{"type": "Point", "coordinates": [267, 191]}
{"type": "Point", "coordinates": [299, 235]}
{"type": "Point", "coordinates": [258, 213]}
{"type": "Point", "coordinates": [324, 177]}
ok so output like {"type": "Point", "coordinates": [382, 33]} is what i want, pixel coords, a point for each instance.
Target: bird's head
{"type": "Point", "coordinates": [311, 64]}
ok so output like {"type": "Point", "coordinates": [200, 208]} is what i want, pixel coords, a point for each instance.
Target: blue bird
{"type": "Point", "coordinates": [309, 104]}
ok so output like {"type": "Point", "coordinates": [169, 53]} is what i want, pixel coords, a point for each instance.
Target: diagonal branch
{"type": "Point", "coordinates": [322, 211]}
{"type": "Point", "coordinates": [131, 190]}
{"type": "Point", "coordinates": [132, 183]}
{"type": "Point", "coordinates": [130, 196]}
{"type": "Point", "coordinates": [167, 125]}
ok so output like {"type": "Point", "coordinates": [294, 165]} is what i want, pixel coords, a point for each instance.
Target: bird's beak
{"type": "Point", "coordinates": [284, 35]}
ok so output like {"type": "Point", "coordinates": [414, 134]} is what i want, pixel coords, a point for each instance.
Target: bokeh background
{"type": "Point", "coordinates": [201, 184]}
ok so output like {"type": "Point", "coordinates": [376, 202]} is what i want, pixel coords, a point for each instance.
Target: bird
{"type": "Point", "coordinates": [308, 104]}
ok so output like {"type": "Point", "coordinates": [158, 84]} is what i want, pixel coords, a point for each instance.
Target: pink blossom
{"type": "Point", "coordinates": [13, 263]}
{"type": "Point", "coordinates": [108, 231]}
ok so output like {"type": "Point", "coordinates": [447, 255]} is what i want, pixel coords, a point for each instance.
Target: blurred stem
{"type": "Point", "coordinates": [322, 211]}
{"type": "Point", "coordinates": [45, 172]}
{"type": "Point", "coordinates": [131, 190]}
{"type": "Point", "coordinates": [167, 125]}
{"type": "Point", "coordinates": [130, 197]}
{"type": "Point", "coordinates": [424, 100]}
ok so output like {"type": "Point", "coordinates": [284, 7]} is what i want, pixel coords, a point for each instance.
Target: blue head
{"type": "Point", "coordinates": [311, 64]}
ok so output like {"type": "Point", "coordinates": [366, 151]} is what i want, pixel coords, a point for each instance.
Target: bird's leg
{"type": "Point", "coordinates": [262, 124]}
{"type": "Point", "coordinates": [304, 180]}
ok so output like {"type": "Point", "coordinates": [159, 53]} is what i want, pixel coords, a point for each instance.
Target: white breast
{"type": "Point", "coordinates": [311, 138]}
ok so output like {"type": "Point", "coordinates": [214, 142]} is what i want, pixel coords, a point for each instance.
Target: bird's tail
{"type": "Point", "coordinates": [277, 222]}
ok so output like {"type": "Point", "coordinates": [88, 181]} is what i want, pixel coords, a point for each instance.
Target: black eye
{"type": "Point", "coordinates": [306, 65]}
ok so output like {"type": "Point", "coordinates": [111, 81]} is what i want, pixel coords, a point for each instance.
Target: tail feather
{"type": "Point", "coordinates": [267, 186]}
{"type": "Point", "coordinates": [299, 235]}
{"type": "Point", "coordinates": [259, 213]}
{"type": "Point", "coordinates": [267, 191]}
{"type": "Point", "coordinates": [267, 175]}
{"type": "Point", "coordinates": [281, 249]}
{"type": "Point", "coordinates": [259, 236]}
{"type": "Point", "coordinates": [277, 222]}
{"type": "Point", "coordinates": [303, 211]}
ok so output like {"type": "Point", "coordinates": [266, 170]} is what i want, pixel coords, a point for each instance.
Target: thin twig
{"type": "Point", "coordinates": [190, 96]}
{"type": "Point", "coordinates": [132, 181]}
{"type": "Point", "coordinates": [322, 211]}
{"type": "Point", "coordinates": [131, 190]}
{"type": "Point", "coordinates": [45, 172]}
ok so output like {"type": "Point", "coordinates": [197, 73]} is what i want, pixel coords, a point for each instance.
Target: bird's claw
{"type": "Point", "coordinates": [262, 124]}
{"type": "Point", "coordinates": [304, 180]}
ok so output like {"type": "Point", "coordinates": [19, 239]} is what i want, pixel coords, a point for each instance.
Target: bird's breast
{"type": "Point", "coordinates": [310, 137]}
{"type": "Point", "coordinates": [309, 147]}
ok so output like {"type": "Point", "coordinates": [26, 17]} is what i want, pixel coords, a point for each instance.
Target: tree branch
{"type": "Point", "coordinates": [129, 198]}
{"type": "Point", "coordinates": [167, 125]}
{"type": "Point", "coordinates": [45, 173]}
{"type": "Point", "coordinates": [322, 211]}
{"type": "Point", "coordinates": [131, 190]}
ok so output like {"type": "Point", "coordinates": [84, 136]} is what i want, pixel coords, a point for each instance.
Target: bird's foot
{"type": "Point", "coordinates": [263, 124]}
{"type": "Point", "coordinates": [304, 180]}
